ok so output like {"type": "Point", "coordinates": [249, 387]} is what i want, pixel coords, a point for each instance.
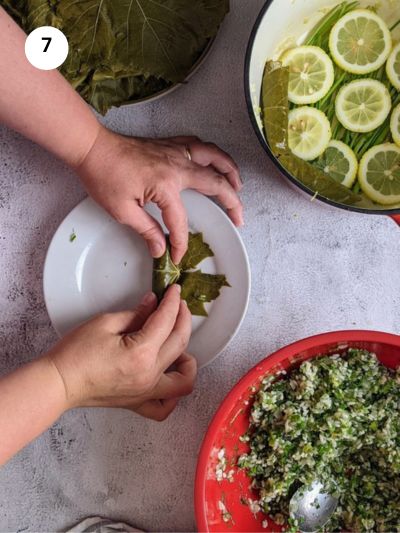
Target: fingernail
{"type": "Point", "coordinates": [156, 249]}
{"type": "Point", "coordinates": [148, 298]}
{"type": "Point", "coordinates": [178, 287]}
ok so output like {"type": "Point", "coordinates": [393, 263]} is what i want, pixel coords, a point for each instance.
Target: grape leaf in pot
{"type": "Point", "coordinates": [197, 251]}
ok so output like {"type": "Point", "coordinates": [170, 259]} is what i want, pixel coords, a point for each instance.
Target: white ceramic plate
{"type": "Point", "coordinates": [108, 268]}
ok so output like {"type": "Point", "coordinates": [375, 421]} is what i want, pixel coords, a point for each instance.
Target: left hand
{"type": "Point", "coordinates": [124, 173]}
{"type": "Point", "coordinates": [124, 359]}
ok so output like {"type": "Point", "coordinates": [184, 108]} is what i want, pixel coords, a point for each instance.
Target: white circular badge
{"type": "Point", "coordinates": [46, 48]}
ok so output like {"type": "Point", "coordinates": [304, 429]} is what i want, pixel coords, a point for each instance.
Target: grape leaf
{"type": "Point", "coordinates": [15, 9]}
{"type": "Point", "coordinates": [197, 251]}
{"type": "Point", "coordinates": [105, 93]}
{"type": "Point", "coordinates": [113, 42]}
{"type": "Point", "coordinates": [197, 287]}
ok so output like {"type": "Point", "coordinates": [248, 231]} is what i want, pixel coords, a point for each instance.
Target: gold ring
{"type": "Point", "coordinates": [187, 153]}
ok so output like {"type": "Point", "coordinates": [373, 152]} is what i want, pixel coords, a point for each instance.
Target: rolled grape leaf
{"type": "Point", "coordinates": [198, 288]}
{"type": "Point", "coordinates": [275, 111]}
{"type": "Point", "coordinates": [165, 273]}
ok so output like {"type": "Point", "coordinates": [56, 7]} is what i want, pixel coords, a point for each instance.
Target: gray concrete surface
{"type": "Point", "coordinates": [314, 270]}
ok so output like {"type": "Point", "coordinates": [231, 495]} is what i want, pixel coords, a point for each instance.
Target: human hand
{"type": "Point", "coordinates": [123, 174]}
{"type": "Point", "coordinates": [122, 359]}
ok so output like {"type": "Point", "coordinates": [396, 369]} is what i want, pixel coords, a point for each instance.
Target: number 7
{"type": "Point", "coordinates": [48, 39]}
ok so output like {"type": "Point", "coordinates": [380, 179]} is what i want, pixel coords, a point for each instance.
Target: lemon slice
{"type": "Point", "coordinates": [393, 67]}
{"type": "Point", "coordinates": [395, 125]}
{"type": "Point", "coordinates": [309, 132]}
{"type": "Point", "coordinates": [360, 42]}
{"type": "Point", "coordinates": [363, 105]}
{"type": "Point", "coordinates": [311, 74]}
{"type": "Point", "coordinates": [379, 174]}
{"type": "Point", "coordinates": [340, 162]}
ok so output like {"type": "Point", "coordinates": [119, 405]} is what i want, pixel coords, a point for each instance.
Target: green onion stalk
{"type": "Point", "coordinates": [360, 143]}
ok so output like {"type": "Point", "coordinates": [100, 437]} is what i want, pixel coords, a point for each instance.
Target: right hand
{"type": "Point", "coordinates": [123, 174]}
{"type": "Point", "coordinates": [123, 359]}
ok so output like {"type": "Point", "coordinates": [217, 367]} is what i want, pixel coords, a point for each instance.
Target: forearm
{"type": "Point", "coordinates": [40, 104]}
{"type": "Point", "coordinates": [31, 399]}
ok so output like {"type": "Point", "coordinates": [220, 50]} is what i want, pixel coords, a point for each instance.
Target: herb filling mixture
{"type": "Point", "coordinates": [335, 419]}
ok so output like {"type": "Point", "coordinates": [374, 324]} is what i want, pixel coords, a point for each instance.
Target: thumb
{"type": "Point", "coordinates": [149, 229]}
{"type": "Point", "coordinates": [157, 410]}
{"type": "Point", "coordinates": [132, 321]}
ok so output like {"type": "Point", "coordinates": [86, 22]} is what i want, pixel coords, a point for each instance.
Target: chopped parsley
{"type": "Point", "coordinates": [335, 419]}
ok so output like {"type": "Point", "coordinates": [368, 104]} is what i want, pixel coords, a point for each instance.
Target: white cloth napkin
{"type": "Point", "coordinates": [96, 524]}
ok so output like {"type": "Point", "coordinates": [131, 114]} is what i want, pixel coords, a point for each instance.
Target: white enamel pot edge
{"type": "Point", "coordinates": [277, 19]}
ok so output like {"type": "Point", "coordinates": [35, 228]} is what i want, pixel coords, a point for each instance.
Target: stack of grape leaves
{"type": "Point", "coordinates": [125, 50]}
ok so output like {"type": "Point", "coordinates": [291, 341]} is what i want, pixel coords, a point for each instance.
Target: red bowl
{"type": "Point", "coordinates": [231, 421]}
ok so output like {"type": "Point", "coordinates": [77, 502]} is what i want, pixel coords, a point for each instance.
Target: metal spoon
{"type": "Point", "coordinates": [312, 507]}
